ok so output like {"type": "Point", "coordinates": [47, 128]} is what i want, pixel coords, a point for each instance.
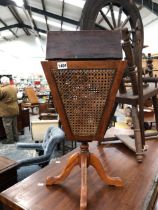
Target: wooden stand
{"type": "Point", "coordinates": [84, 81]}
{"type": "Point", "coordinates": [84, 159]}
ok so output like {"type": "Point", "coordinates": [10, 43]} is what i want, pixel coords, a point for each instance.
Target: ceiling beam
{"type": "Point", "coordinates": [29, 16]}
{"type": "Point", "coordinates": [62, 13]}
{"type": "Point", "coordinates": [17, 25]}
{"type": "Point", "coordinates": [7, 3]}
{"type": "Point", "coordinates": [44, 9]}
{"type": "Point", "coordinates": [41, 12]}
{"type": "Point", "coordinates": [9, 28]}
{"type": "Point", "coordinates": [22, 25]}
{"type": "Point", "coordinates": [18, 18]}
{"type": "Point", "coordinates": [36, 28]}
{"type": "Point", "coordinates": [52, 15]}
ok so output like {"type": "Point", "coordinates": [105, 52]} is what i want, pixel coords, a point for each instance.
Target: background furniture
{"type": "Point", "coordinates": [149, 119]}
{"type": "Point", "coordinates": [52, 137]}
{"type": "Point", "coordinates": [8, 173]}
{"type": "Point", "coordinates": [2, 130]}
{"type": "Point", "coordinates": [33, 101]}
{"type": "Point", "coordinates": [137, 95]}
{"type": "Point", "coordinates": [47, 111]}
{"type": "Point", "coordinates": [39, 128]}
{"type": "Point", "coordinates": [23, 119]}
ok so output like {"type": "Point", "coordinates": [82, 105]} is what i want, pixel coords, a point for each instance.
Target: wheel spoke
{"type": "Point", "coordinates": [101, 13]}
{"type": "Point", "coordinates": [119, 17]}
{"type": "Point", "coordinates": [101, 19]}
{"type": "Point", "coordinates": [112, 15]}
{"type": "Point", "coordinates": [125, 21]}
{"type": "Point", "coordinates": [99, 27]}
{"type": "Point", "coordinates": [106, 19]}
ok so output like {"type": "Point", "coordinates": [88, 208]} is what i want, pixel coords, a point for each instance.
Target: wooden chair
{"type": "Point", "coordinates": [51, 138]}
{"type": "Point", "coordinates": [141, 90]}
{"type": "Point", "coordinates": [84, 90]}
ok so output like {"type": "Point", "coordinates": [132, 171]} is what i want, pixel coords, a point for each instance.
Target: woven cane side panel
{"type": "Point", "coordinates": [84, 93]}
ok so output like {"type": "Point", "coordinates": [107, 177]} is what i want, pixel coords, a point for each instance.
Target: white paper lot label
{"type": "Point", "coordinates": [62, 65]}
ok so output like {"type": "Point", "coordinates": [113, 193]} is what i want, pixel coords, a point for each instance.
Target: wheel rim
{"type": "Point", "coordinates": [112, 15]}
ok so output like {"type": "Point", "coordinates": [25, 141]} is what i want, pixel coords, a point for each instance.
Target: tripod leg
{"type": "Point", "coordinates": [83, 197]}
{"type": "Point", "coordinates": [95, 162]}
{"type": "Point", "coordinates": [72, 162]}
{"type": "Point", "coordinates": [137, 133]}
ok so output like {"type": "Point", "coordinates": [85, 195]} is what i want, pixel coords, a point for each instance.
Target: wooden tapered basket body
{"type": "Point", "coordinates": [84, 95]}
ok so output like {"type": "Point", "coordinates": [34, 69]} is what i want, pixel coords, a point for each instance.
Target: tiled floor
{"type": "Point", "coordinates": [10, 150]}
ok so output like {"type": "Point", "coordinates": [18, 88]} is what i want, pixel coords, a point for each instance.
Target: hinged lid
{"type": "Point", "coordinates": [72, 45]}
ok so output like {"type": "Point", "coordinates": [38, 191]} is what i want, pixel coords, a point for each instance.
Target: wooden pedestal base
{"type": "Point", "coordinates": [84, 159]}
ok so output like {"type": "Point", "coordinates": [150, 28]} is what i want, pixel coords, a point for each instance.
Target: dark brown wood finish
{"type": "Point", "coordinates": [2, 131]}
{"type": "Point", "coordinates": [129, 98]}
{"type": "Point", "coordinates": [88, 45]}
{"type": "Point", "coordinates": [8, 174]}
{"type": "Point", "coordinates": [23, 119]}
{"type": "Point", "coordinates": [32, 193]}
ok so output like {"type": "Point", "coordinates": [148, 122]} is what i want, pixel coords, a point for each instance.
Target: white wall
{"type": "Point", "coordinates": [150, 21]}
{"type": "Point", "coordinates": [150, 37]}
{"type": "Point", "coordinates": [22, 56]}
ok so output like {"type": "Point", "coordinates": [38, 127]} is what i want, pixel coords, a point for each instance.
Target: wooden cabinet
{"type": "Point", "coordinates": [2, 131]}
{"type": "Point", "coordinates": [23, 119]}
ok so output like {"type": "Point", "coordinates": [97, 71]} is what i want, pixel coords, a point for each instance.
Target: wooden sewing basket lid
{"type": "Point", "coordinates": [81, 45]}
{"type": "Point", "coordinates": [84, 91]}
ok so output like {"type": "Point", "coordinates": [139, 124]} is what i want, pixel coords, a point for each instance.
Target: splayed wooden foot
{"type": "Point", "coordinates": [84, 159]}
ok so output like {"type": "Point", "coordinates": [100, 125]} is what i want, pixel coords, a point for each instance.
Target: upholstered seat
{"type": "Point", "coordinates": [26, 167]}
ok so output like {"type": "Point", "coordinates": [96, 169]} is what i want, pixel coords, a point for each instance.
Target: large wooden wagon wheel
{"type": "Point", "coordinates": [111, 15]}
